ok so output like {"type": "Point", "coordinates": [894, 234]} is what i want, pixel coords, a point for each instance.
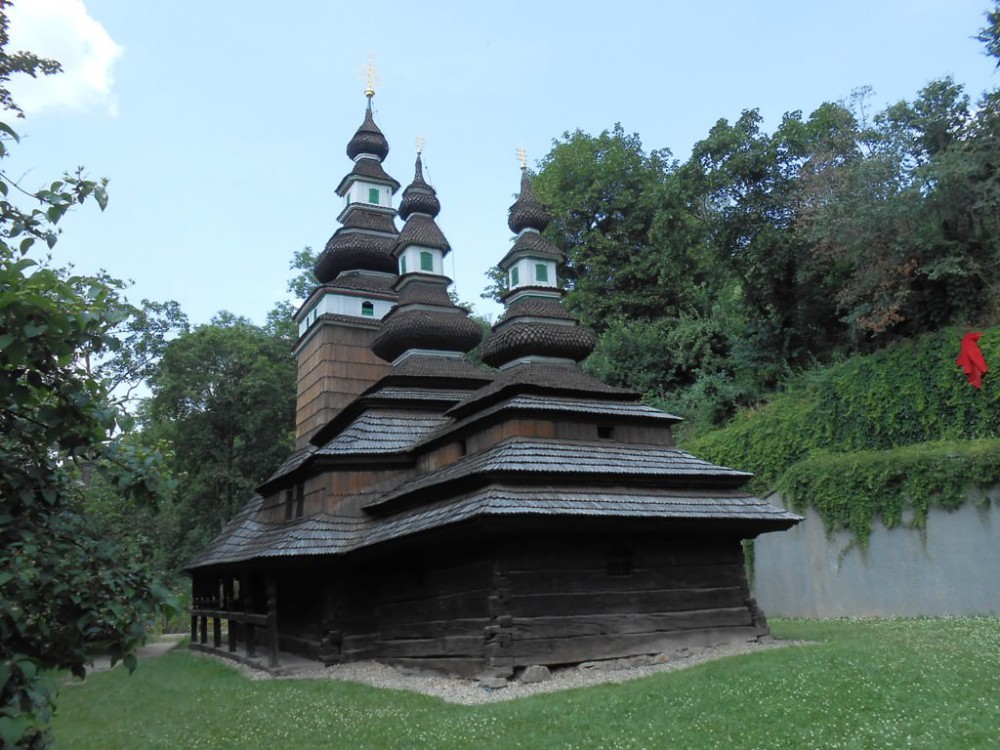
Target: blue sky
{"type": "Point", "coordinates": [222, 124]}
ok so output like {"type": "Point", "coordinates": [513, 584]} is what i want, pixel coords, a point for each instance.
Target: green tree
{"type": "Point", "coordinates": [907, 231]}
{"type": "Point", "coordinates": [755, 189]}
{"type": "Point", "coordinates": [989, 35]}
{"type": "Point", "coordinates": [223, 398]}
{"type": "Point", "coordinates": [620, 226]}
{"type": "Point", "coordinates": [66, 594]}
{"type": "Point", "coordinates": [304, 281]}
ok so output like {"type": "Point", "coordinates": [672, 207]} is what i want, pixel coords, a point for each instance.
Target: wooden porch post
{"type": "Point", "coordinates": [217, 604]}
{"type": "Point", "coordinates": [230, 608]}
{"type": "Point", "coordinates": [204, 629]}
{"type": "Point", "coordinates": [272, 620]}
{"type": "Point", "coordinates": [251, 632]}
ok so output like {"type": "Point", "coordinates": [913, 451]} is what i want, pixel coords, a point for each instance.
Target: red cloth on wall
{"type": "Point", "coordinates": [970, 359]}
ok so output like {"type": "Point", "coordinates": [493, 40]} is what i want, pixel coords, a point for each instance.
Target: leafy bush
{"type": "Point", "coordinates": [865, 438]}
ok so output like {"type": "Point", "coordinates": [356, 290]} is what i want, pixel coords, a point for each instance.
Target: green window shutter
{"type": "Point", "coordinates": [541, 272]}
{"type": "Point", "coordinates": [402, 264]}
{"type": "Point", "coordinates": [514, 277]}
{"type": "Point", "coordinates": [367, 309]}
{"type": "Point", "coordinates": [426, 261]}
{"type": "Point", "coordinates": [373, 195]}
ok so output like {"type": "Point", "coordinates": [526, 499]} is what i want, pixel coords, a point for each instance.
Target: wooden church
{"type": "Point", "coordinates": [447, 515]}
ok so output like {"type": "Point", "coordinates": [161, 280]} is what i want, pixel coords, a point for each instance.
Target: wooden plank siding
{"type": "Point", "coordinates": [603, 597]}
{"type": "Point", "coordinates": [433, 611]}
{"type": "Point", "coordinates": [491, 607]}
{"type": "Point", "coordinates": [335, 365]}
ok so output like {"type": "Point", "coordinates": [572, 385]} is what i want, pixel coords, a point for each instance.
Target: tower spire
{"type": "Point", "coordinates": [425, 321]}
{"type": "Point", "coordinates": [536, 327]}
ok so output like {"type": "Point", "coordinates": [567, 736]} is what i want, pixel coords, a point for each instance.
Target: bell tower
{"type": "Point", "coordinates": [357, 274]}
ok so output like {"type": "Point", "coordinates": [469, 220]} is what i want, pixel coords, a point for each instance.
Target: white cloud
{"type": "Point", "coordinates": [63, 30]}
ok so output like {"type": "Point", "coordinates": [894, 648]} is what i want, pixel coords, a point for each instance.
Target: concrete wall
{"type": "Point", "coordinates": [950, 568]}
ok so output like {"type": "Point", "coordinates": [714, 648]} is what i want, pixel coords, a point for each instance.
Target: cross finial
{"type": "Point", "coordinates": [370, 75]}
{"type": "Point", "coordinates": [522, 157]}
{"type": "Point", "coordinates": [420, 144]}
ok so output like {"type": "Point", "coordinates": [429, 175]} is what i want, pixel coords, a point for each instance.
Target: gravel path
{"type": "Point", "coordinates": [156, 647]}
{"type": "Point", "coordinates": [469, 692]}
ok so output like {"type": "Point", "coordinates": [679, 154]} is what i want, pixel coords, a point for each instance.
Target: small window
{"type": "Point", "coordinates": [541, 272]}
{"type": "Point", "coordinates": [348, 196]}
{"type": "Point", "coordinates": [426, 261]}
{"type": "Point", "coordinates": [373, 195]}
{"type": "Point", "coordinates": [605, 431]}
{"type": "Point", "coordinates": [417, 570]}
{"type": "Point", "coordinates": [300, 500]}
{"type": "Point", "coordinates": [620, 562]}
{"type": "Point", "coordinates": [402, 264]}
{"type": "Point", "coordinates": [514, 277]}
{"type": "Point", "coordinates": [289, 503]}
{"type": "Point", "coordinates": [367, 309]}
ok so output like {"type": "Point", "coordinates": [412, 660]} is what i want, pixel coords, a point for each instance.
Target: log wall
{"type": "Point", "coordinates": [433, 610]}
{"type": "Point", "coordinates": [502, 604]}
{"type": "Point", "coordinates": [600, 598]}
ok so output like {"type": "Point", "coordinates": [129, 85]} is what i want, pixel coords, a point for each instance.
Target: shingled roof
{"type": "Point", "coordinates": [439, 442]}
{"type": "Point", "coordinates": [568, 462]}
{"type": "Point", "coordinates": [246, 539]}
{"type": "Point", "coordinates": [367, 169]}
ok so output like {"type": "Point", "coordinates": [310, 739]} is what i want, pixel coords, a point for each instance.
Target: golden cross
{"type": "Point", "coordinates": [370, 75]}
{"type": "Point", "coordinates": [522, 157]}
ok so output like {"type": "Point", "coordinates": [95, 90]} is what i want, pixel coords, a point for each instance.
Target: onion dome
{"type": "Point", "coordinates": [527, 212]}
{"type": "Point", "coordinates": [419, 197]}
{"type": "Point", "coordinates": [368, 139]}
{"type": "Point", "coordinates": [541, 341]}
{"type": "Point", "coordinates": [353, 251]}
{"type": "Point", "coordinates": [425, 320]}
{"type": "Point", "coordinates": [536, 327]}
{"type": "Point", "coordinates": [449, 334]}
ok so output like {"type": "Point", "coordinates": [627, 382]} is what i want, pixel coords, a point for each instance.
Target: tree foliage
{"type": "Point", "coordinates": [66, 593]}
{"type": "Point", "coordinates": [304, 281]}
{"type": "Point", "coordinates": [862, 439]}
{"type": "Point", "coordinates": [223, 399]}
{"type": "Point", "coordinates": [711, 282]}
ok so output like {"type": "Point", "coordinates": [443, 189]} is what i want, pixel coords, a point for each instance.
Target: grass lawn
{"type": "Point", "coordinates": [927, 683]}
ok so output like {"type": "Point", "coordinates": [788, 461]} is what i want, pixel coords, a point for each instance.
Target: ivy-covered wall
{"type": "Point", "coordinates": [865, 439]}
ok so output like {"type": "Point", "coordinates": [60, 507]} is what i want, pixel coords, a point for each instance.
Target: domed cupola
{"type": "Point", "coordinates": [425, 321]}
{"type": "Point", "coordinates": [527, 211]}
{"type": "Point", "coordinates": [419, 197]}
{"type": "Point", "coordinates": [368, 140]}
{"type": "Point", "coordinates": [535, 327]}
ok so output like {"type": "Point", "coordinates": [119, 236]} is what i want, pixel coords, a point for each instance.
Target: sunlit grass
{"type": "Point", "coordinates": [928, 683]}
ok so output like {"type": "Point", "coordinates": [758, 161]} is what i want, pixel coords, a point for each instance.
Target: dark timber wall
{"type": "Point", "coordinates": [335, 364]}
{"type": "Point", "coordinates": [600, 597]}
{"type": "Point", "coordinates": [502, 603]}
{"type": "Point", "coordinates": [433, 610]}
